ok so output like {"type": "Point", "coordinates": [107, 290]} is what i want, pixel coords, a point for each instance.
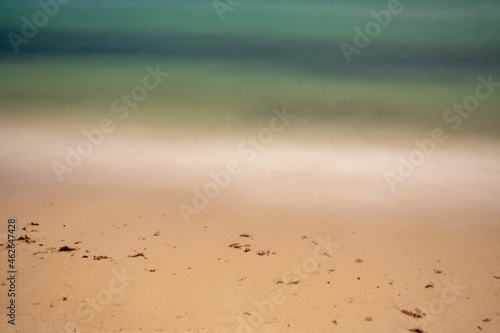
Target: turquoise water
{"type": "Point", "coordinates": [263, 55]}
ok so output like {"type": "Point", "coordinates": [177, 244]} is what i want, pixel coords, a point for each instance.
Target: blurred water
{"type": "Point", "coordinates": [261, 56]}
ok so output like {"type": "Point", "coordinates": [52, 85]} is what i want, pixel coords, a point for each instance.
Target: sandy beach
{"type": "Point", "coordinates": [306, 237]}
{"type": "Point", "coordinates": [254, 166]}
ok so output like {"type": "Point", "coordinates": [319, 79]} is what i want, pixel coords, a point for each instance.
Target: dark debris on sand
{"type": "Point", "coordinates": [140, 254]}
{"type": "Point", "coordinates": [239, 246]}
{"type": "Point", "coordinates": [265, 253]}
{"type": "Point", "coordinates": [26, 239]}
{"type": "Point", "coordinates": [412, 314]}
{"type": "Point", "coordinates": [101, 257]}
{"type": "Point", "coordinates": [66, 249]}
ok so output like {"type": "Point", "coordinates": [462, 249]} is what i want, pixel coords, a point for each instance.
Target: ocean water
{"type": "Point", "coordinates": [233, 69]}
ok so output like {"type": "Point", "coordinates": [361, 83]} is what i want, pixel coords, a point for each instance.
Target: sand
{"type": "Point", "coordinates": [307, 237]}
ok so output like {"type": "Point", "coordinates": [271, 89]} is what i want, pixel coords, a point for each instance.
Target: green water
{"type": "Point", "coordinates": [263, 55]}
